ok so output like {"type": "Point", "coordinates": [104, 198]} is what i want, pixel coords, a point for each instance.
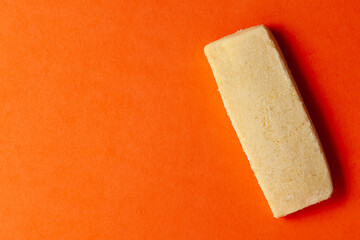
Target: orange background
{"type": "Point", "coordinates": [111, 125]}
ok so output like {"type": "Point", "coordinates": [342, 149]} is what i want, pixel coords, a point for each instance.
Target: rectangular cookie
{"type": "Point", "coordinates": [270, 119]}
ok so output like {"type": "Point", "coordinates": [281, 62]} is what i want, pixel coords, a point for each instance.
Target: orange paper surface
{"type": "Point", "coordinates": [111, 125]}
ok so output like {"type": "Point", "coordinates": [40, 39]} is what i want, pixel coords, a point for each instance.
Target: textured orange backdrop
{"type": "Point", "coordinates": [111, 125]}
